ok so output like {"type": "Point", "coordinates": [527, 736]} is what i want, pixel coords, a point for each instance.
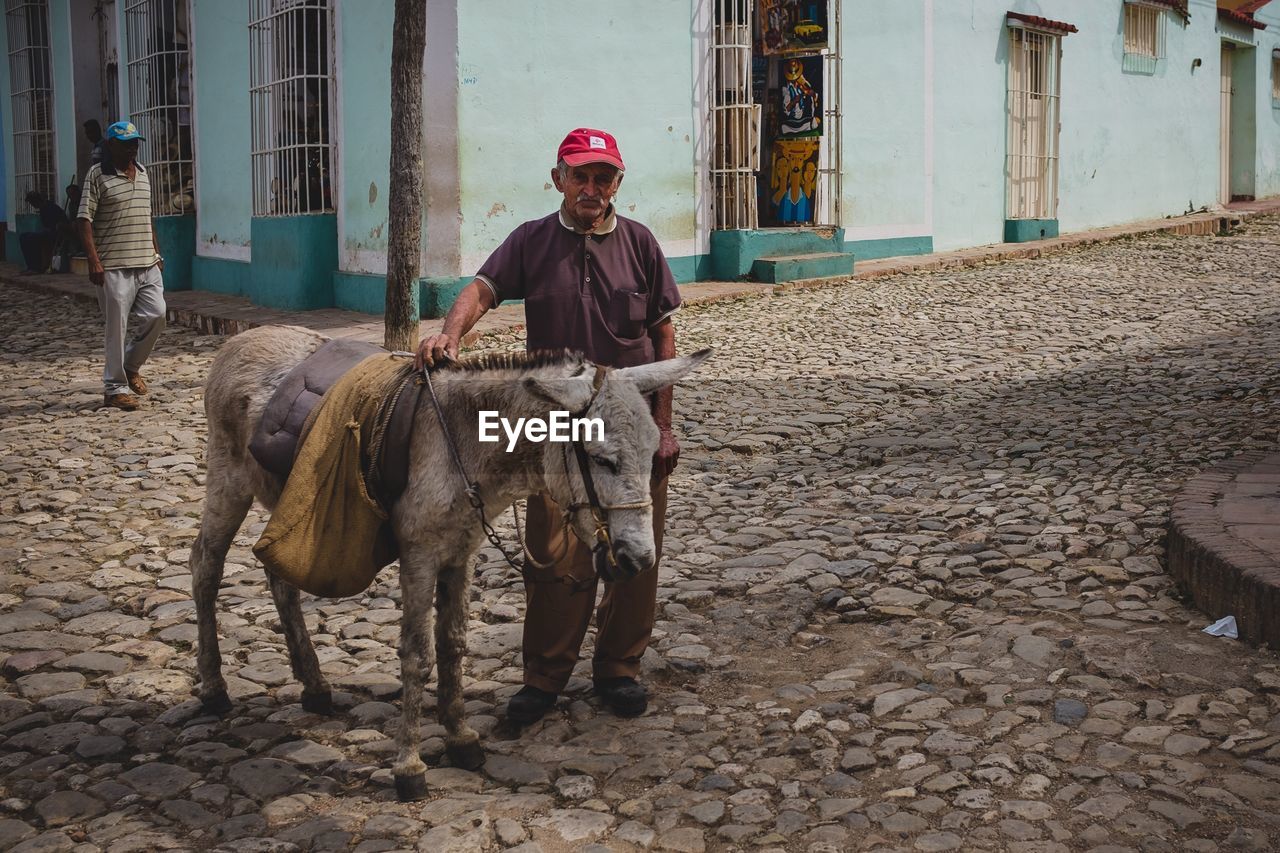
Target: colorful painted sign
{"type": "Point", "coordinates": [787, 26]}
{"type": "Point", "coordinates": [800, 97]}
{"type": "Point", "coordinates": [794, 180]}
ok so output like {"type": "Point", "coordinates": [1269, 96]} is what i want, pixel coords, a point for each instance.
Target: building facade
{"type": "Point", "coordinates": [767, 137]}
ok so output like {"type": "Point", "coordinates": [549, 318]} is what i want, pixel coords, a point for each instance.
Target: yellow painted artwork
{"type": "Point", "coordinates": [794, 179]}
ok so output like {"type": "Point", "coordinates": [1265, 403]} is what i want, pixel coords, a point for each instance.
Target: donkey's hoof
{"type": "Point", "coordinates": [318, 703]}
{"type": "Point", "coordinates": [411, 788]}
{"type": "Point", "coordinates": [468, 754]}
{"type": "Point", "coordinates": [216, 703]}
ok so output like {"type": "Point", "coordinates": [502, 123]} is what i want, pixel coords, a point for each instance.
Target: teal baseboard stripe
{"type": "Point", "coordinates": [436, 294]}
{"type": "Point", "coordinates": [890, 247]}
{"type": "Point", "coordinates": [687, 268]}
{"type": "Point", "coordinates": [1026, 230]}
{"type": "Point", "coordinates": [220, 275]}
{"type": "Point", "coordinates": [177, 238]}
{"type": "Point", "coordinates": [294, 259]}
{"type": "Point", "coordinates": [366, 292]}
{"type": "Point", "coordinates": [360, 291]}
{"type": "Point", "coordinates": [20, 223]}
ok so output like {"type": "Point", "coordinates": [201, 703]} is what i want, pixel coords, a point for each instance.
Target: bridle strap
{"type": "Point", "coordinates": [472, 491]}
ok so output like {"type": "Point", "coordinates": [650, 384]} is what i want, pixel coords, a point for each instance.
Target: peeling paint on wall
{"type": "Point", "coordinates": [373, 192]}
{"type": "Point", "coordinates": [498, 207]}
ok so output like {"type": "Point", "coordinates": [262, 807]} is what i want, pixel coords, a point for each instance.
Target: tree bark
{"type": "Point", "coordinates": [404, 217]}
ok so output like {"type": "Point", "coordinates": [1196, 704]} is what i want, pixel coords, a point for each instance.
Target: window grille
{"type": "Point", "coordinates": [735, 157]}
{"type": "Point", "coordinates": [31, 87]}
{"type": "Point", "coordinates": [1035, 63]}
{"type": "Point", "coordinates": [1144, 36]}
{"type": "Point", "coordinates": [291, 92]}
{"type": "Point", "coordinates": [158, 33]}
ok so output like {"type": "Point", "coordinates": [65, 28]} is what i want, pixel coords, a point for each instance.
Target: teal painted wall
{"type": "Point", "coordinates": [294, 259]}
{"type": "Point", "coordinates": [364, 150]}
{"type": "Point", "coordinates": [884, 153]}
{"type": "Point", "coordinates": [524, 84]}
{"type": "Point", "coordinates": [1267, 168]}
{"type": "Point", "coordinates": [890, 247]}
{"type": "Point", "coordinates": [221, 76]}
{"type": "Point", "coordinates": [218, 275]}
{"type": "Point", "coordinates": [177, 238]}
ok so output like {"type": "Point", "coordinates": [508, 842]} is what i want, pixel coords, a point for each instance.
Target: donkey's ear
{"type": "Point", "coordinates": [660, 374]}
{"type": "Point", "coordinates": [572, 394]}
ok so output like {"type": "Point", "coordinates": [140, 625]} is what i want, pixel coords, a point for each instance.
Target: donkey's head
{"type": "Point", "coordinates": [603, 479]}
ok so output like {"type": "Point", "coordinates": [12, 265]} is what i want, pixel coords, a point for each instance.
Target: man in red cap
{"type": "Point", "coordinates": [595, 282]}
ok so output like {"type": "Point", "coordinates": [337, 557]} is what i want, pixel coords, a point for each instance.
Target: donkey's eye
{"type": "Point", "coordinates": [609, 465]}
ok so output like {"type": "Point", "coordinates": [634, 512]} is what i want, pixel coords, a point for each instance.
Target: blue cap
{"type": "Point", "coordinates": [123, 131]}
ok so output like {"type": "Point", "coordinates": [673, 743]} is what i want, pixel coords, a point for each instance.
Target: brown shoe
{"type": "Point", "coordinates": [136, 382]}
{"type": "Point", "coordinates": [127, 402]}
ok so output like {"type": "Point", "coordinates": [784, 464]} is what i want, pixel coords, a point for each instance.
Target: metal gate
{"type": "Point", "coordinates": [1031, 169]}
{"type": "Point", "coordinates": [735, 120]}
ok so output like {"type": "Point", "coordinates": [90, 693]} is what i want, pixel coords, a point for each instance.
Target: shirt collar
{"type": "Point", "coordinates": [109, 168]}
{"type": "Point", "coordinates": [609, 223]}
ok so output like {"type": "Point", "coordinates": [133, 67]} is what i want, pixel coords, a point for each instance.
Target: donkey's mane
{"type": "Point", "coordinates": [517, 360]}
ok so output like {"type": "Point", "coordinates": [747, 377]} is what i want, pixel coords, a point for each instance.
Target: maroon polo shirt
{"type": "Point", "coordinates": [597, 292]}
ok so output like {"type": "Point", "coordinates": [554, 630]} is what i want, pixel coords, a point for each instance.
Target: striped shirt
{"type": "Point", "coordinates": [120, 210]}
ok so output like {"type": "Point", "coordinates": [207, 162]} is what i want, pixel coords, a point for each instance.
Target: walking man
{"type": "Point", "coordinates": [598, 283]}
{"type": "Point", "coordinates": [124, 262]}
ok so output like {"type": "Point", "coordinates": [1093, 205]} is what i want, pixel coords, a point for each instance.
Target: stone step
{"type": "Point", "coordinates": [779, 268]}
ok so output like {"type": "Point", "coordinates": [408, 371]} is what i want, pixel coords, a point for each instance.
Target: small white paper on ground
{"type": "Point", "coordinates": [1224, 627]}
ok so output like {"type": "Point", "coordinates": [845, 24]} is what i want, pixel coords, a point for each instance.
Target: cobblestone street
{"type": "Point", "coordinates": [912, 597]}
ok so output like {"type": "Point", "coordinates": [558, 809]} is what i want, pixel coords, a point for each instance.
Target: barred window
{"type": "Point", "coordinates": [31, 87]}
{"type": "Point", "coordinates": [1144, 34]}
{"type": "Point", "coordinates": [1034, 93]}
{"type": "Point", "coordinates": [158, 33]}
{"type": "Point", "coordinates": [291, 101]}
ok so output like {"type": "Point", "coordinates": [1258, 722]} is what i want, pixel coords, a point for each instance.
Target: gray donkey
{"type": "Point", "coordinates": [435, 525]}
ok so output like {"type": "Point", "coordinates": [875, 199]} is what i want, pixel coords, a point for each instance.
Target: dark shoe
{"type": "Point", "coordinates": [127, 402]}
{"type": "Point", "coordinates": [625, 696]}
{"type": "Point", "coordinates": [136, 382]}
{"type": "Point", "coordinates": [529, 705]}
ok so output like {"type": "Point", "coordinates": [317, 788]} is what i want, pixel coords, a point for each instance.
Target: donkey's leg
{"type": "Point", "coordinates": [317, 697]}
{"type": "Point", "coordinates": [461, 741]}
{"type": "Point", "coordinates": [417, 586]}
{"type": "Point", "coordinates": [226, 503]}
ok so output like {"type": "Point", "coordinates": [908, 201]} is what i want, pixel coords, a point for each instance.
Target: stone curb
{"type": "Point", "coordinates": [1223, 574]}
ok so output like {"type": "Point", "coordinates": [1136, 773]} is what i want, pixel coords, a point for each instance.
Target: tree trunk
{"type": "Point", "coordinates": [404, 219]}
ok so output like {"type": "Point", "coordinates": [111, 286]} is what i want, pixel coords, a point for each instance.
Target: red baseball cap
{"type": "Point", "coordinates": [587, 145]}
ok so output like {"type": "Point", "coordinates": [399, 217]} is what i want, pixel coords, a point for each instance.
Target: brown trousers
{"type": "Point", "coordinates": [558, 613]}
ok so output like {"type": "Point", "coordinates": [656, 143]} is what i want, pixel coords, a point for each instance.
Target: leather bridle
{"type": "Point", "coordinates": [604, 557]}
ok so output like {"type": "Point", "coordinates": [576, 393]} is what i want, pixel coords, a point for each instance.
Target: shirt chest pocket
{"type": "Point", "coordinates": [628, 311]}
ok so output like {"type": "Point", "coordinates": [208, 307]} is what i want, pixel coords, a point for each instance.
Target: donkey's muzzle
{"type": "Point", "coordinates": [628, 564]}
